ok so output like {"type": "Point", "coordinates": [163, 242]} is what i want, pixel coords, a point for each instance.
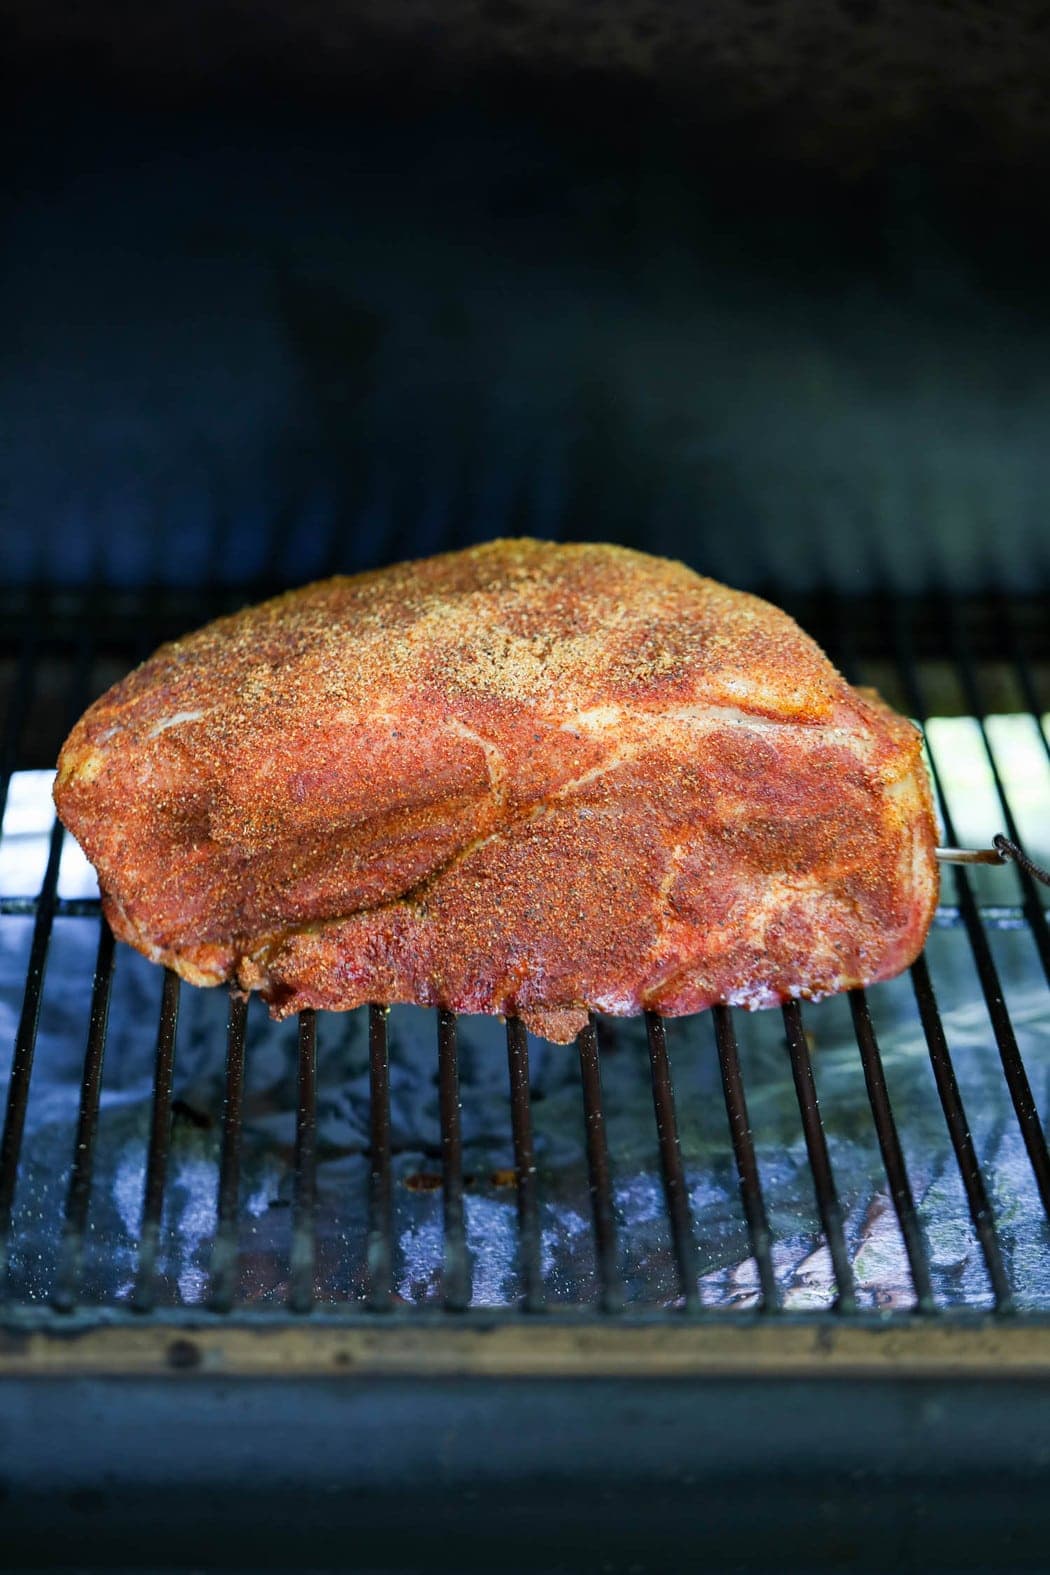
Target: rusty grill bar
{"type": "Point", "coordinates": [524, 1168]}
{"type": "Point", "coordinates": [959, 1131]}
{"type": "Point", "coordinates": [224, 1251]}
{"type": "Point", "coordinates": [79, 1198]}
{"type": "Point", "coordinates": [744, 1152]}
{"type": "Point", "coordinates": [457, 1259]}
{"type": "Point", "coordinates": [676, 1191]}
{"type": "Point", "coordinates": [304, 1292]}
{"type": "Point", "coordinates": [304, 1248]}
{"type": "Point", "coordinates": [380, 1223]}
{"type": "Point", "coordinates": [892, 1154]}
{"type": "Point", "coordinates": [991, 985]}
{"type": "Point", "coordinates": [159, 1145]}
{"type": "Point", "coordinates": [819, 1159]}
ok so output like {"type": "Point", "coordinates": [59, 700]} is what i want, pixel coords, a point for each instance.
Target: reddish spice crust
{"type": "Point", "coordinates": [526, 777]}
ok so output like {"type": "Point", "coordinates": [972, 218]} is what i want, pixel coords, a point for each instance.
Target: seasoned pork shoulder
{"type": "Point", "coordinates": [526, 778]}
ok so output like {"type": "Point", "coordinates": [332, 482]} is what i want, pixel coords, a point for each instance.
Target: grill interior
{"type": "Point", "coordinates": [386, 1290]}
{"type": "Point", "coordinates": [171, 1161]}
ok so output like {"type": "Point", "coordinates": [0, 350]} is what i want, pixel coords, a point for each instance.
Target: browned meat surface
{"type": "Point", "coordinates": [525, 778]}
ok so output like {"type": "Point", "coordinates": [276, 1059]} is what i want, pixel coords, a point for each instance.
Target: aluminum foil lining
{"type": "Point", "coordinates": [728, 1277]}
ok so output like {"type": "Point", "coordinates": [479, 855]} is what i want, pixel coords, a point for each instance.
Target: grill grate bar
{"type": "Point", "coordinates": [224, 1247]}
{"type": "Point", "coordinates": [159, 1146]}
{"type": "Point", "coordinates": [380, 1250]}
{"type": "Point", "coordinates": [676, 1191]}
{"type": "Point", "coordinates": [751, 1195]}
{"type": "Point", "coordinates": [1031, 902]}
{"type": "Point", "coordinates": [457, 1258]}
{"type": "Point", "coordinates": [959, 1132]}
{"type": "Point", "coordinates": [819, 1159]}
{"type": "Point", "coordinates": [304, 1244]}
{"type": "Point", "coordinates": [1027, 684]}
{"type": "Point", "coordinates": [78, 1199]}
{"type": "Point", "coordinates": [892, 1153]}
{"type": "Point", "coordinates": [65, 907]}
{"type": "Point", "coordinates": [611, 1294]}
{"type": "Point", "coordinates": [991, 987]}
{"type": "Point", "coordinates": [531, 1265]}
{"type": "Point", "coordinates": [25, 1043]}
{"type": "Point", "coordinates": [29, 1018]}
{"type": "Point", "coordinates": [1006, 1042]}
{"type": "Point", "coordinates": [17, 712]}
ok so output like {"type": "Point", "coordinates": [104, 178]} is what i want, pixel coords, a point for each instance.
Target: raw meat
{"type": "Point", "coordinates": [525, 778]}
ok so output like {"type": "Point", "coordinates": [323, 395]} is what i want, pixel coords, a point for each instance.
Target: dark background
{"type": "Point", "coordinates": [291, 289]}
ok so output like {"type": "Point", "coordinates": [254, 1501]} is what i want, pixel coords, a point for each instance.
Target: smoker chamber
{"type": "Point", "coordinates": [759, 287]}
{"type": "Point", "coordinates": [707, 1279]}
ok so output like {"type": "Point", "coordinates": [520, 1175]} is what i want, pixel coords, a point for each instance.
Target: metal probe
{"type": "Point", "coordinates": [1001, 852]}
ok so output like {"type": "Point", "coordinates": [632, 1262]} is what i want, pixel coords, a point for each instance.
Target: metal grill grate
{"type": "Point", "coordinates": [980, 648]}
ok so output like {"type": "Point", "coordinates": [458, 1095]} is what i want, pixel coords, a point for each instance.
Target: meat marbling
{"type": "Point", "coordinates": [524, 778]}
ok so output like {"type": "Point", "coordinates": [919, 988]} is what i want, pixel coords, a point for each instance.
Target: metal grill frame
{"type": "Point", "coordinates": [604, 1339]}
